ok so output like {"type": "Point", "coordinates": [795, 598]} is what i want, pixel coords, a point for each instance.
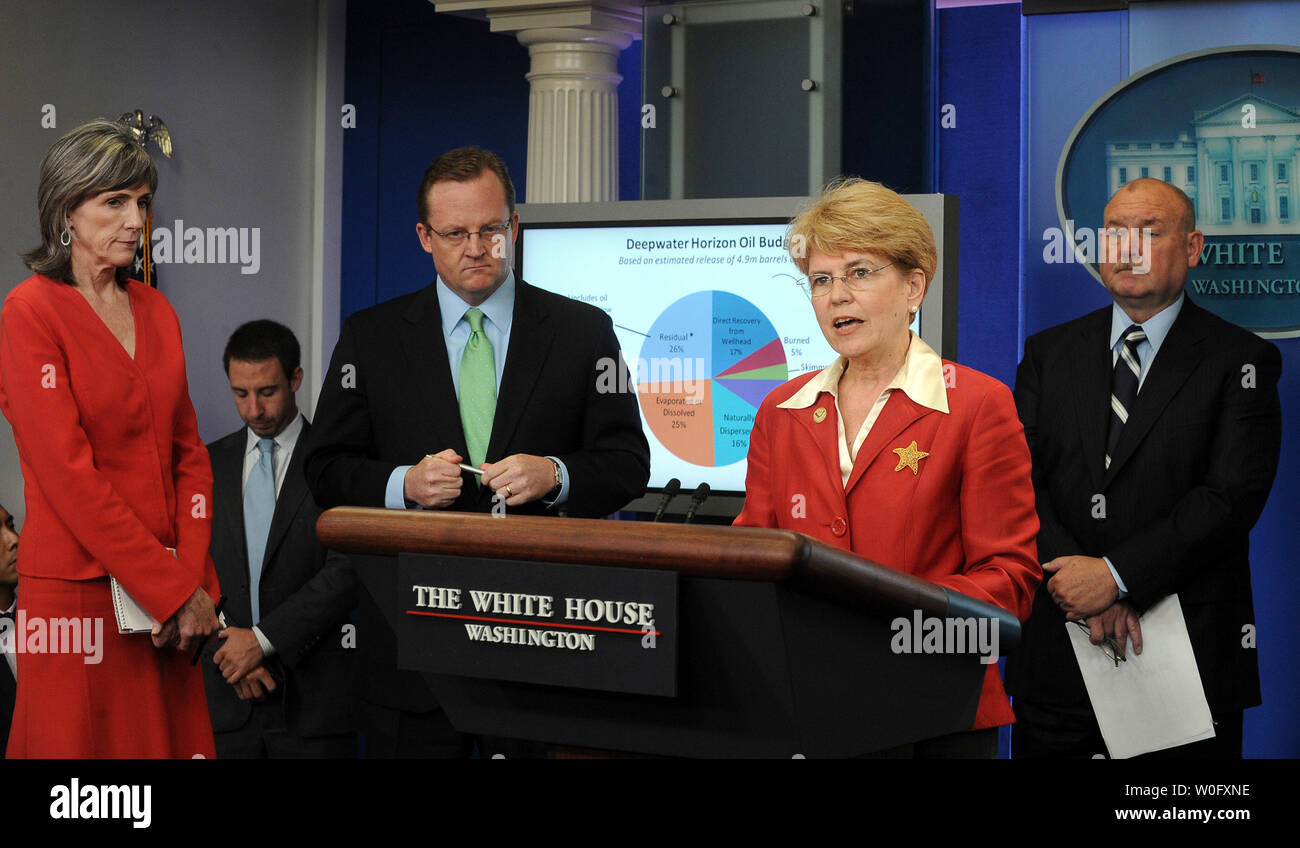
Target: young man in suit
{"type": "Point", "coordinates": [1154, 428]}
{"type": "Point", "coordinates": [280, 682]}
{"type": "Point", "coordinates": [481, 368]}
{"type": "Point", "coordinates": [8, 607]}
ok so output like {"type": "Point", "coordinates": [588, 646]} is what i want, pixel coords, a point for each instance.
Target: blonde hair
{"type": "Point", "coordinates": [854, 214]}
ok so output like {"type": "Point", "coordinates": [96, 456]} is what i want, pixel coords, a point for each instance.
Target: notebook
{"type": "Point", "coordinates": [131, 617]}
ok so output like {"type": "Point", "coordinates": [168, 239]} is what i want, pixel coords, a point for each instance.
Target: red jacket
{"type": "Point", "coordinates": [965, 520]}
{"type": "Point", "coordinates": [113, 467]}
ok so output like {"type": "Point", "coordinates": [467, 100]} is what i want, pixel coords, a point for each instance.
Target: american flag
{"type": "Point", "coordinates": [142, 268]}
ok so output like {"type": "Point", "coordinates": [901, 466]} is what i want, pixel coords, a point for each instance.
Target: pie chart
{"type": "Point", "coordinates": [710, 359]}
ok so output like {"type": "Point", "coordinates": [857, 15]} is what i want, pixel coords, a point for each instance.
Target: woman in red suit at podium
{"type": "Point", "coordinates": [92, 379]}
{"type": "Point", "coordinates": [890, 452]}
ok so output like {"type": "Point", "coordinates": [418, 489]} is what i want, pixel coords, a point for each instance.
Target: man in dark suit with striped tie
{"type": "Point", "coordinates": [8, 607]}
{"type": "Point", "coordinates": [1154, 428]}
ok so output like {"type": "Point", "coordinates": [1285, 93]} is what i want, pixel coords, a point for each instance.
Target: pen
{"type": "Point", "coordinates": [463, 467]}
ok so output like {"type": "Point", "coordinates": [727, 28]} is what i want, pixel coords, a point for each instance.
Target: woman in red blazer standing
{"type": "Point", "coordinates": [890, 452]}
{"type": "Point", "coordinates": [117, 481]}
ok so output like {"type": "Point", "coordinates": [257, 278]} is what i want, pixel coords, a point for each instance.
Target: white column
{"type": "Point", "coordinates": [1204, 184]}
{"type": "Point", "coordinates": [1237, 187]}
{"type": "Point", "coordinates": [572, 114]}
{"type": "Point", "coordinates": [1293, 180]}
{"type": "Point", "coordinates": [1270, 181]}
{"type": "Point", "coordinates": [573, 89]}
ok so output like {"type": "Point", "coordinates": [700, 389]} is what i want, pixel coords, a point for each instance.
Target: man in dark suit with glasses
{"type": "Point", "coordinates": [478, 368]}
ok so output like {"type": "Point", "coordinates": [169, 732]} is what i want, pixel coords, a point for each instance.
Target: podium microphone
{"type": "Point", "coordinates": [698, 497]}
{"type": "Point", "coordinates": [670, 491]}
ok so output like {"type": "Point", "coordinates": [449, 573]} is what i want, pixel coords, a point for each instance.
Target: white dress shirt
{"type": "Point", "coordinates": [7, 640]}
{"type": "Point", "coordinates": [920, 377]}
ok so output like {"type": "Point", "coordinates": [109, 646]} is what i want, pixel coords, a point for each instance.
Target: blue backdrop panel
{"type": "Point", "coordinates": [979, 161]}
{"type": "Point", "coordinates": [423, 83]}
{"type": "Point", "coordinates": [629, 123]}
{"type": "Point", "coordinates": [1071, 60]}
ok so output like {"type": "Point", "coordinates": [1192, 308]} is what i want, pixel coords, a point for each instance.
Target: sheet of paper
{"type": "Point", "coordinates": [1154, 700]}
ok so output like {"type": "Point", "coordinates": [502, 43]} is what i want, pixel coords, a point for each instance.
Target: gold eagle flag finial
{"type": "Point", "coordinates": [155, 130]}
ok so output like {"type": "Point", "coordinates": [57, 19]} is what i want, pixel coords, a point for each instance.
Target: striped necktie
{"type": "Point", "coordinates": [1124, 385]}
{"type": "Point", "coordinates": [478, 389]}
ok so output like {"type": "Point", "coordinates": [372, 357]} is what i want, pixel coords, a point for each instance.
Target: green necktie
{"type": "Point", "coordinates": [478, 389]}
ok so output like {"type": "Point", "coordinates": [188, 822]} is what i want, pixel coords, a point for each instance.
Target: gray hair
{"type": "Point", "coordinates": [95, 157]}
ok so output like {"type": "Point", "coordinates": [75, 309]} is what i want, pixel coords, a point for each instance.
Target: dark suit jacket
{"type": "Point", "coordinates": [1188, 480]}
{"type": "Point", "coordinates": [8, 692]}
{"type": "Point", "coordinates": [306, 595]}
{"type": "Point", "coordinates": [388, 400]}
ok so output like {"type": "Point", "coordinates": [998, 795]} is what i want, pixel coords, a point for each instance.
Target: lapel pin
{"type": "Point", "coordinates": [910, 457]}
{"type": "Point", "coordinates": [819, 414]}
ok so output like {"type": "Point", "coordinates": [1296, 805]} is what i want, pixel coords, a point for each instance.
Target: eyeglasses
{"type": "Point", "coordinates": [819, 285]}
{"type": "Point", "coordinates": [1108, 645]}
{"type": "Point", "coordinates": [458, 237]}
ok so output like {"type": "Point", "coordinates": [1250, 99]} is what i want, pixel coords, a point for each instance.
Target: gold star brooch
{"type": "Point", "coordinates": [910, 457]}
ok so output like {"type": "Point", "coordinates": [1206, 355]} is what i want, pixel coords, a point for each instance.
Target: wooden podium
{"type": "Point", "coordinates": [784, 643]}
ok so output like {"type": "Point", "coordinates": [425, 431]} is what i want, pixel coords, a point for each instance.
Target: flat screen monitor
{"type": "Point", "coordinates": [707, 309]}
